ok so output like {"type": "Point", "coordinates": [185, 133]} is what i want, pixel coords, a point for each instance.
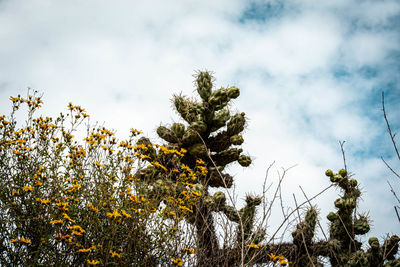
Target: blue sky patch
{"type": "Point", "coordinates": [262, 11]}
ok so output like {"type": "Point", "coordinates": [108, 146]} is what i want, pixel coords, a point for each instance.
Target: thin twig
{"type": "Point", "coordinates": [388, 126]}
{"type": "Point", "coordinates": [341, 143]}
{"type": "Point", "coordinates": [390, 168]}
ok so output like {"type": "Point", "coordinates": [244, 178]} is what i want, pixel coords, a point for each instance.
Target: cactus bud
{"type": "Point", "coordinates": [373, 242]}
{"type": "Point", "coordinates": [253, 201]}
{"type": "Point", "coordinates": [350, 203]}
{"type": "Point", "coordinates": [353, 182]}
{"type": "Point", "coordinates": [244, 161]}
{"type": "Point", "coordinates": [220, 119]}
{"type": "Point", "coordinates": [342, 172]}
{"type": "Point", "coordinates": [329, 173]}
{"type": "Point", "coordinates": [331, 216]}
{"type": "Point", "coordinates": [339, 203]}
{"type": "Point", "coordinates": [219, 198]}
{"type": "Point", "coordinates": [336, 178]}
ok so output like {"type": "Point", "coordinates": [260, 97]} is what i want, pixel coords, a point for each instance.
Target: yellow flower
{"type": "Point", "coordinates": [43, 201]}
{"type": "Point", "coordinates": [283, 262]}
{"type": "Point", "coordinates": [93, 262]}
{"type": "Point", "coordinates": [27, 188]}
{"type": "Point", "coordinates": [177, 261]}
{"type": "Point", "coordinates": [92, 207]}
{"type": "Point", "coordinates": [114, 215]}
{"type": "Point", "coordinates": [68, 218]}
{"type": "Point", "coordinates": [13, 241]}
{"type": "Point", "coordinates": [186, 208]}
{"type": "Point", "coordinates": [252, 245]}
{"type": "Point", "coordinates": [114, 254]}
{"type": "Point", "coordinates": [76, 230]}
{"type": "Point", "coordinates": [125, 214]}
{"type": "Point", "coordinates": [25, 240]}
{"type": "Point", "coordinates": [98, 164]}
{"type": "Point", "coordinates": [85, 250]}
{"type": "Point", "coordinates": [189, 250]}
{"type": "Point", "coordinates": [56, 222]}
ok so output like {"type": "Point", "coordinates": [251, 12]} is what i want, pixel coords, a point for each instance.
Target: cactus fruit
{"type": "Point", "coordinates": [329, 173]}
{"type": "Point", "coordinates": [343, 173]}
{"type": "Point", "coordinates": [373, 242]}
{"type": "Point", "coordinates": [244, 161]}
{"type": "Point", "coordinates": [219, 199]}
{"type": "Point", "coordinates": [353, 182]}
{"type": "Point", "coordinates": [331, 216]}
{"type": "Point", "coordinates": [336, 178]}
{"type": "Point", "coordinates": [339, 203]}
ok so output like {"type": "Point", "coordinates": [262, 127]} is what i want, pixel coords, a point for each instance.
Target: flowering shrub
{"type": "Point", "coordinates": [71, 201]}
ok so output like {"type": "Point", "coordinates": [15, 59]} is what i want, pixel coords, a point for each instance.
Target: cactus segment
{"type": "Point", "coordinates": [204, 85]}
{"type": "Point", "coordinates": [236, 124]}
{"type": "Point", "coordinates": [167, 134]}
{"type": "Point", "coordinates": [178, 129]}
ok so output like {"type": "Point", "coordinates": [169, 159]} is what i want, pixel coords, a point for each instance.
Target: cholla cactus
{"type": "Point", "coordinates": [213, 135]}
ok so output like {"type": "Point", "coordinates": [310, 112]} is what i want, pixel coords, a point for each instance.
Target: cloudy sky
{"type": "Point", "coordinates": [311, 74]}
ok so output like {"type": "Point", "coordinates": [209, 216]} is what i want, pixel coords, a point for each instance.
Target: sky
{"type": "Point", "coordinates": [311, 74]}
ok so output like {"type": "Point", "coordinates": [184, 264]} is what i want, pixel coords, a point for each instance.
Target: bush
{"type": "Point", "coordinates": [67, 202]}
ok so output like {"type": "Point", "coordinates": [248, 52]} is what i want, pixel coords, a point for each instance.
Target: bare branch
{"type": "Point", "coordinates": [388, 127]}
